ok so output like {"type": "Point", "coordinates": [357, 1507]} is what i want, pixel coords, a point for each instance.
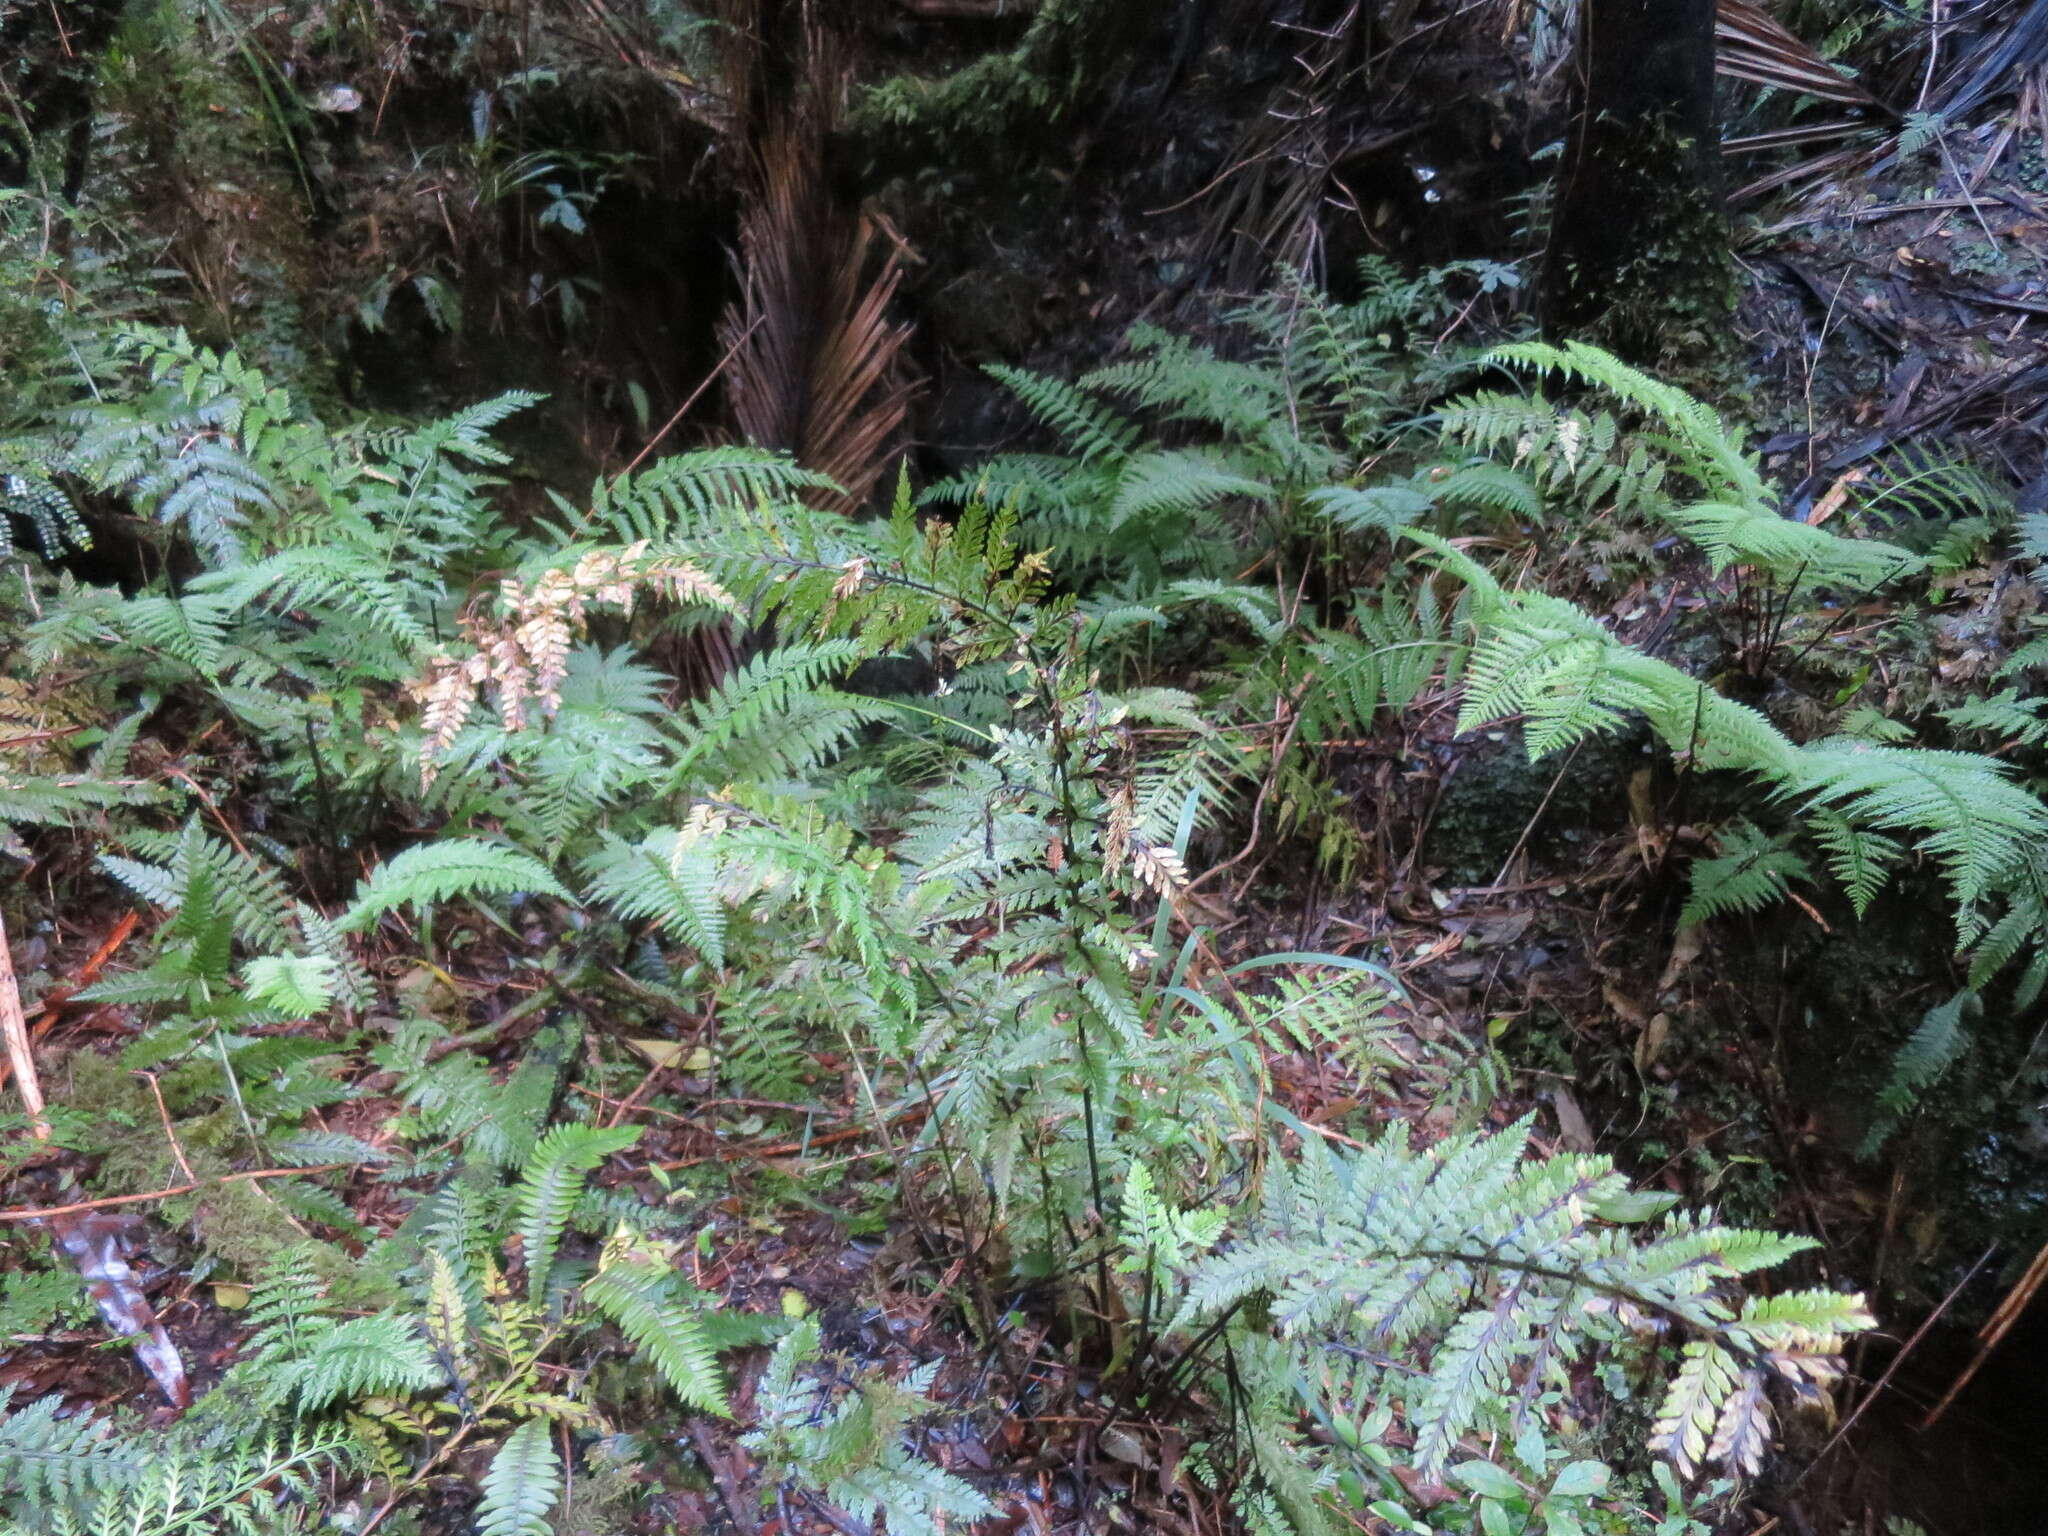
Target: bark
{"type": "Point", "coordinates": [1638, 252]}
{"type": "Point", "coordinates": [51, 57]}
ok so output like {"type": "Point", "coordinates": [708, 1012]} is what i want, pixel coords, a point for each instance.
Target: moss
{"type": "Point", "coordinates": [1673, 288]}
{"type": "Point", "coordinates": [1496, 793]}
{"type": "Point", "coordinates": [1003, 102]}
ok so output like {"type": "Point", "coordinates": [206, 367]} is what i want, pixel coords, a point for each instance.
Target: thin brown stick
{"type": "Point", "coordinates": [35, 736]}
{"type": "Point", "coordinates": [1897, 1360]}
{"type": "Point", "coordinates": [19, 1054]}
{"type": "Point", "coordinates": [695, 395]}
{"type": "Point", "coordinates": [170, 1134]}
{"type": "Point", "coordinates": [30, 1213]}
{"type": "Point", "coordinates": [1994, 1330]}
{"type": "Point", "coordinates": [721, 1471]}
{"type": "Point", "coordinates": [54, 1001]}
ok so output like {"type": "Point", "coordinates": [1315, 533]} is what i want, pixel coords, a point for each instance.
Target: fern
{"type": "Point", "coordinates": [524, 1482]}
{"type": "Point", "coordinates": [27, 492]}
{"type": "Point", "coordinates": [1086, 426]}
{"type": "Point", "coordinates": [1753, 870]}
{"type": "Point", "coordinates": [687, 493]}
{"type": "Point", "coordinates": [853, 1450]}
{"type": "Point", "coordinates": [636, 1291]}
{"type": "Point", "coordinates": [1469, 1252]}
{"type": "Point", "coordinates": [670, 879]}
{"type": "Point", "coordinates": [50, 1460]}
{"type": "Point", "coordinates": [271, 1483]}
{"type": "Point", "coordinates": [1569, 678]}
{"type": "Point", "coordinates": [430, 873]}
{"type": "Point", "coordinates": [549, 1186]}
{"type": "Point", "coordinates": [1940, 1038]}
{"type": "Point", "coordinates": [2004, 716]}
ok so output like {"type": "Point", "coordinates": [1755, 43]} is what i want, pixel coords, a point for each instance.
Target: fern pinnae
{"type": "Point", "coordinates": [1087, 426]}
{"type": "Point", "coordinates": [523, 1483]}
{"type": "Point", "coordinates": [430, 873]}
{"type": "Point", "coordinates": [549, 1186]}
{"type": "Point", "coordinates": [642, 1298]}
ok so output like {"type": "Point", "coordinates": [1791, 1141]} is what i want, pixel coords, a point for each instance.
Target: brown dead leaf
{"type": "Point", "coordinates": [1650, 1044]}
{"type": "Point", "coordinates": [1572, 1125]}
{"type": "Point", "coordinates": [1686, 947]}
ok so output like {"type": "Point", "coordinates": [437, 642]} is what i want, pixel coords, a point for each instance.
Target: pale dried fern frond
{"type": "Point", "coordinates": [520, 651]}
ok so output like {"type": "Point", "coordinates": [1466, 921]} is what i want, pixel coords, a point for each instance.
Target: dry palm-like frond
{"type": "Point", "coordinates": [814, 366]}
{"type": "Point", "coordinates": [2012, 47]}
{"type": "Point", "coordinates": [1268, 206]}
{"type": "Point", "coordinates": [1750, 44]}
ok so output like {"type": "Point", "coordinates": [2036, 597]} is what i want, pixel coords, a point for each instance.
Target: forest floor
{"type": "Point", "coordinates": [1894, 312]}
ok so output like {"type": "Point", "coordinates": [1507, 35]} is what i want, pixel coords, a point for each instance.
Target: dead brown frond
{"type": "Point", "coordinates": [1267, 206]}
{"type": "Point", "coordinates": [815, 356]}
{"type": "Point", "coordinates": [1751, 44]}
{"type": "Point", "coordinates": [2010, 50]}
{"type": "Point", "coordinates": [517, 649]}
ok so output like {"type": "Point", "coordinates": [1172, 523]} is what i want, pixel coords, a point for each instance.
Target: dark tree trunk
{"type": "Point", "coordinates": [1638, 252]}
{"type": "Point", "coordinates": [51, 53]}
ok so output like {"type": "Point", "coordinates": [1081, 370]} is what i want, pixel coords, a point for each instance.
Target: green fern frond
{"type": "Point", "coordinates": [649, 1305]}
{"type": "Point", "coordinates": [2004, 716]}
{"type": "Point", "coordinates": [355, 587]}
{"type": "Point", "coordinates": [524, 1482]}
{"type": "Point", "coordinates": [1860, 860]}
{"type": "Point", "coordinates": [50, 1459]}
{"type": "Point", "coordinates": [1086, 426]}
{"type": "Point", "coordinates": [27, 492]}
{"type": "Point", "coordinates": [1179, 483]}
{"type": "Point", "coordinates": [428, 874]}
{"type": "Point", "coordinates": [362, 1357]}
{"type": "Point", "coordinates": [549, 1186]}
{"type": "Point", "coordinates": [669, 878]}
{"type": "Point", "coordinates": [188, 1487]}
{"type": "Point", "coordinates": [1753, 870]}
{"type": "Point", "coordinates": [1793, 552]}
{"type": "Point", "coordinates": [1927, 1054]}
{"type": "Point", "coordinates": [686, 494]}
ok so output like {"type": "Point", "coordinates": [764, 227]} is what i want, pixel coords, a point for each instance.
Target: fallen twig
{"type": "Point", "coordinates": [1995, 1329]}
{"type": "Point", "coordinates": [722, 1474]}
{"type": "Point", "coordinates": [19, 1054]}
{"type": "Point", "coordinates": [53, 1003]}
{"type": "Point", "coordinates": [30, 1213]}
{"type": "Point", "coordinates": [1897, 1360]}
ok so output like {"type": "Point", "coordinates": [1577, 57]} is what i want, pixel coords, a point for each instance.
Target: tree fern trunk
{"type": "Point", "coordinates": [1638, 253]}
